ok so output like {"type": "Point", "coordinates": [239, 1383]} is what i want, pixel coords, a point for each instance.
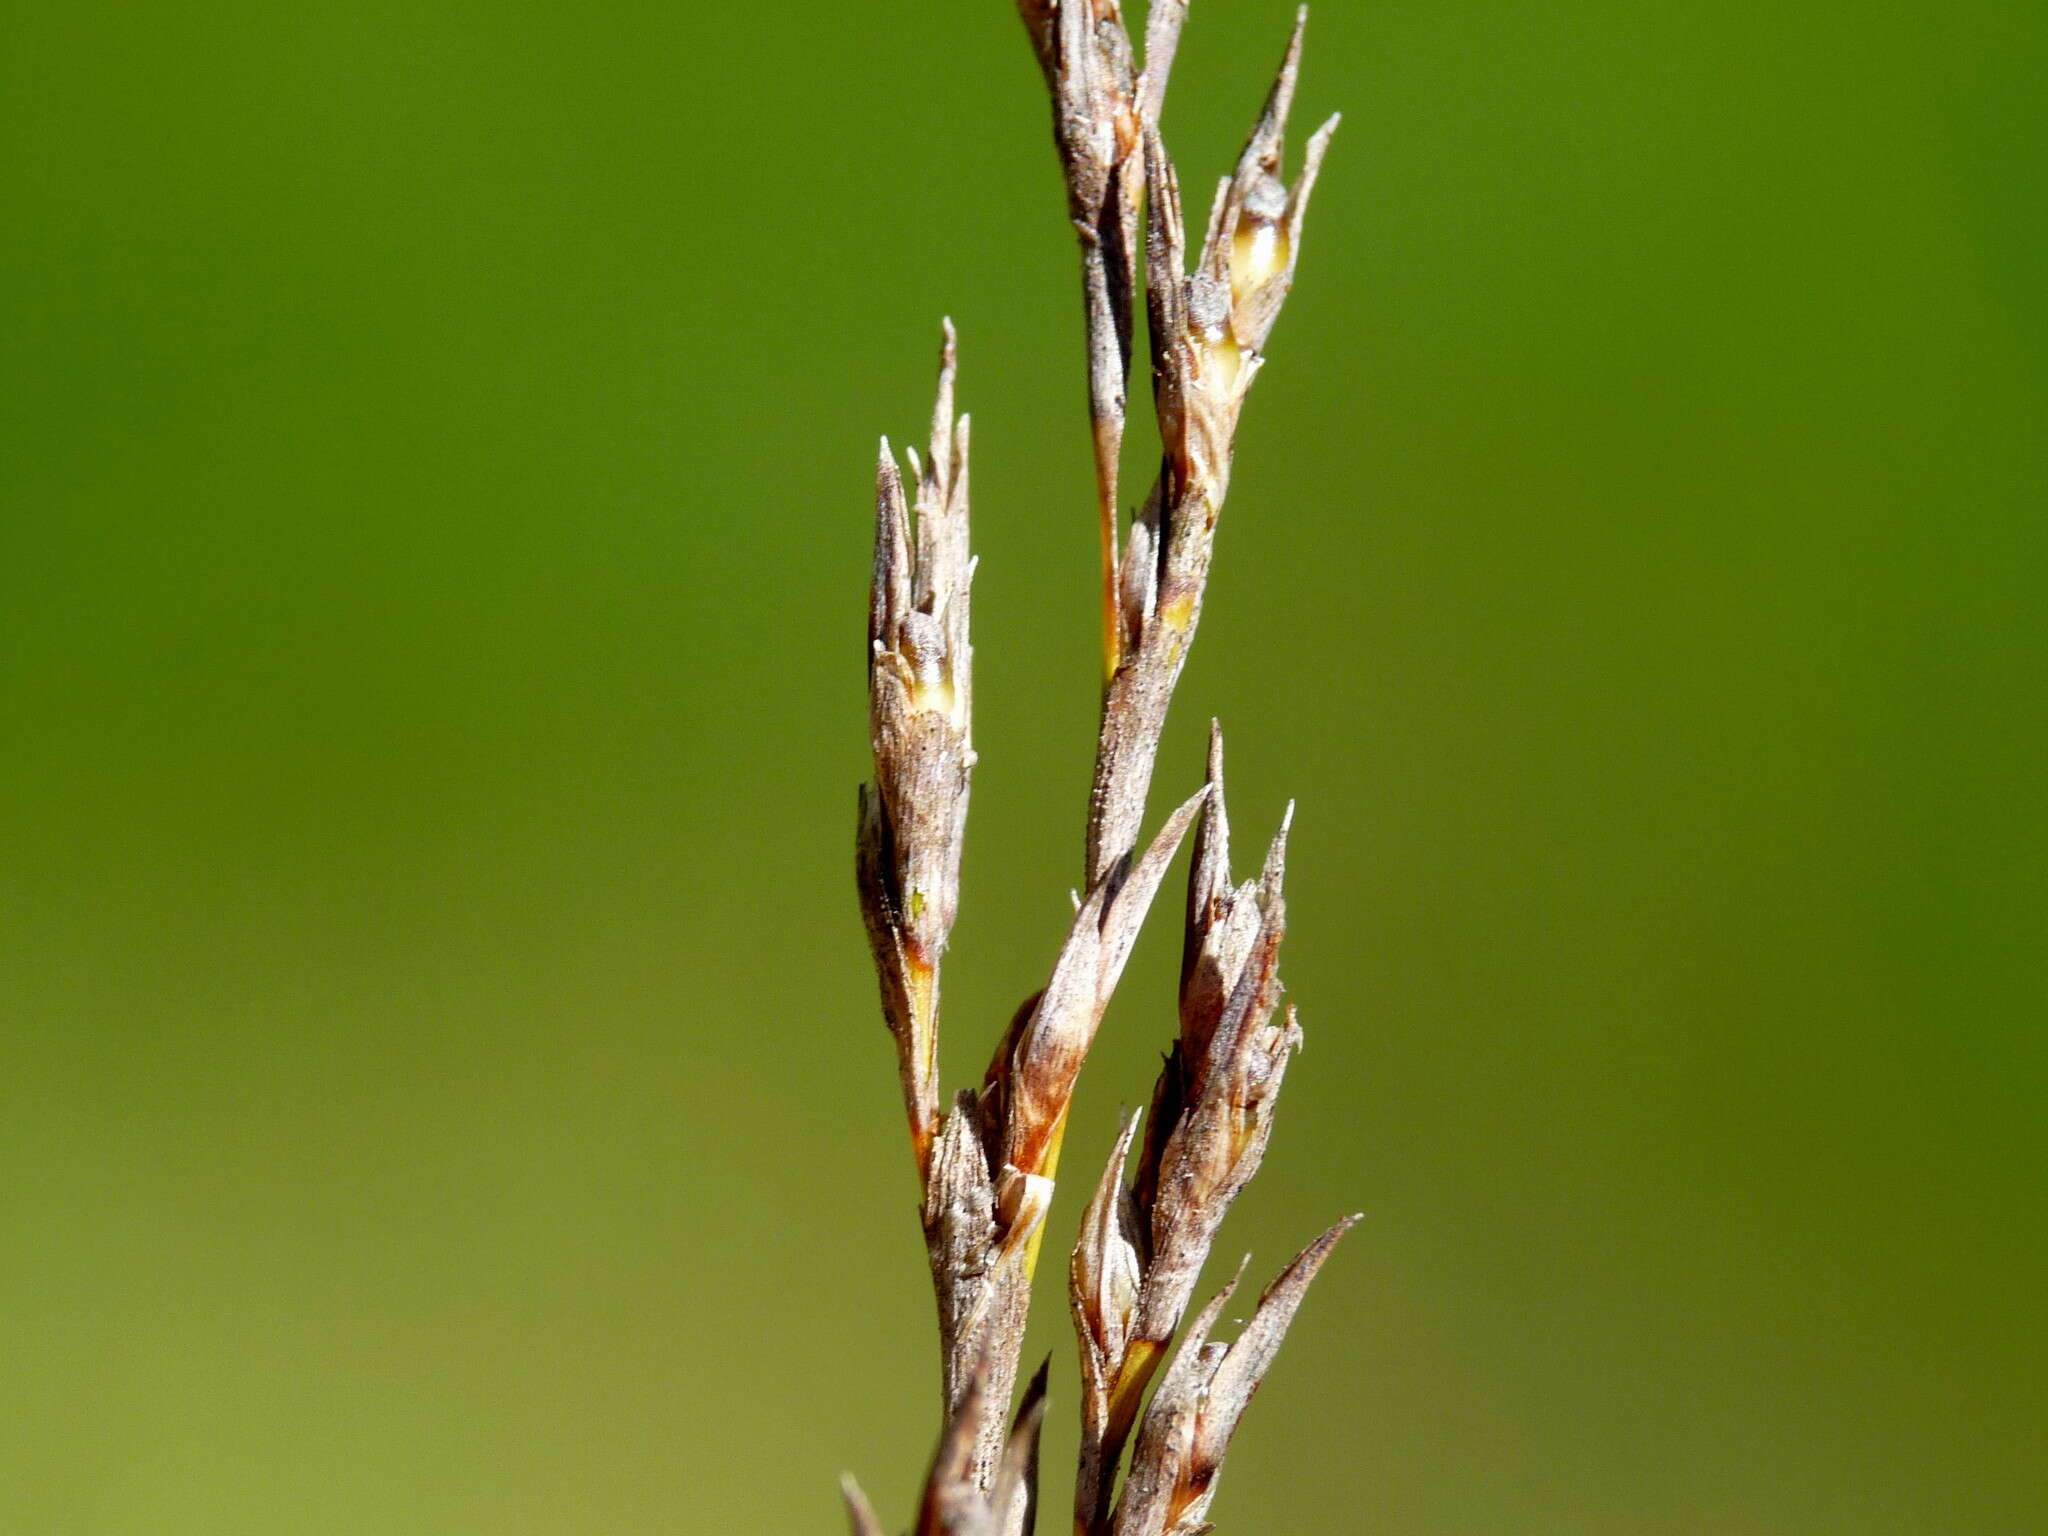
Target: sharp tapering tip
{"type": "Point", "coordinates": [1276, 854]}
{"type": "Point", "coordinates": [888, 481]}
{"type": "Point", "coordinates": [1321, 1247]}
{"type": "Point", "coordinates": [1177, 823]}
{"type": "Point", "coordinates": [1034, 1393]}
{"type": "Point", "coordinates": [1293, 56]}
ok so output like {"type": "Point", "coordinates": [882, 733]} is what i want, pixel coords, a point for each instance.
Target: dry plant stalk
{"type": "Point", "coordinates": [986, 1162]}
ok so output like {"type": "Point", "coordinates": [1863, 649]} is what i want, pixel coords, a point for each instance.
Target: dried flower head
{"type": "Point", "coordinates": [913, 818]}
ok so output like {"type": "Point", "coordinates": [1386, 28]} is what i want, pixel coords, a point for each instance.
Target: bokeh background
{"type": "Point", "coordinates": [440, 1089]}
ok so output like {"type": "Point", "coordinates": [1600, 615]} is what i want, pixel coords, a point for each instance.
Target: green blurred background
{"type": "Point", "coordinates": [440, 1089]}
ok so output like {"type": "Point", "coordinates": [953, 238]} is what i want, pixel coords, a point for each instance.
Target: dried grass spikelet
{"type": "Point", "coordinates": [1141, 1250]}
{"type": "Point", "coordinates": [913, 817]}
{"type": "Point", "coordinates": [1208, 329]}
{"type": "Point", "coordinates": [1036, 1070]}
{"type": "Point", "coordinates": [1103, 109]}
{"type": "Point", "coordinates": [1188, 1425]}
{"type": "Point", "coordinates": [1213, 1106]}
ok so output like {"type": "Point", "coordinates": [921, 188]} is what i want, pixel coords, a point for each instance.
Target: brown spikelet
{"type": "Point", "coordinates": [913, 818]}
{"type": "Point", "coordinates": [1208, 330]}
{"type": "Point", "coordinates": [1211, 1119]}
{"type": "Point", "coordinates": [1201, 1399]}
